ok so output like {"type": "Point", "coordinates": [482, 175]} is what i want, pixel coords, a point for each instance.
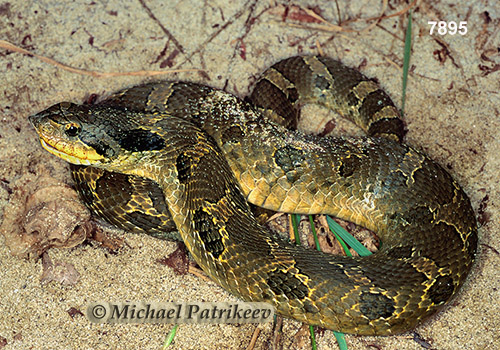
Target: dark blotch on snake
{"type": "Point", "coordinates": [321, 83]}
{"type": "Point", "coordinates": [287, 284]}
{"type": "Point", "coordinates": [157, 197]}
{"type": "Point", "coordinates": [288, 158]}
{"type": "Point", "coordinates": [403, 252]}
{"type": "Point", "coordinates": [352, 100]}
{"type": "Point", "coordinates": [293, 94]}
{"type": "Point", "coordinates": [184, 164]}
{"type": "Point", "coordinates": [441, 290]}
{"type": "Point", "coordinates": [349, 165]}
{"type": "Point", "coordinates": [140, 140]}
{"type": "Point", "coordinates": [374, 305]}
{"type": "Point", "coordinates": [209, 232]}
{"type": "Point", "coordinates": [387, 126]}
{"type": "Point", "coordinates": [373, 103]}
{"type": "Point", "coordinates": [273, 98]}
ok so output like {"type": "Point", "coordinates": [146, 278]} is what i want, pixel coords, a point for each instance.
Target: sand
{"type": "Point", "coordinates": [452, 113]}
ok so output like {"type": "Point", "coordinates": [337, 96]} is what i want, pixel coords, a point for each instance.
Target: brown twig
{"type": "Point", "coordinates": [291, 235]}
{"type": "Point", "coordinates": [275, 216]}
{"type": "Point", "coordinates": [255, 336]}
{"type": "Point", "coordinates": [198, 273]}
{"type": "Point", "coordinates": [276, 337]}
{"type": "Point", "coordinates": [142, 73]}
{"type": "Point", "coordinates": [165, 30]}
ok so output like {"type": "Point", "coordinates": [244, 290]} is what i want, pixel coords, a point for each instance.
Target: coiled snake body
{"type": "Point", "coordinates": [204, 153]}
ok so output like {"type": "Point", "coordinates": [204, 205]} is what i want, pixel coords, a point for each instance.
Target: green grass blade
{"type": "Point", "coordinates": [295, 225]}
{"type": "Point", "coordinates": [347, 237]}
{"type": "Point", "coordinates": [313, 338]}
{"type": "Point", "coordinates": [315, 235]}
{"type": "Point", "coordinates": [406, 61]}
{"type": "Point", "coordinates": [340, 340]}
{"type": "Point", "coordinates": [170, 337]}
{"type": "Point", "coordinates": [341, 241]}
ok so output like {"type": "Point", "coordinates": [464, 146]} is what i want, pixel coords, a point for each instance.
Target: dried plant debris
{"type": "Point", "coordinates": [73, 312]}
{"type": "Point", "coordinates": [3, 342]}
{"type": "Point", "coordinates": [61, 272]}
{"type": "Point", "coordinates": [109, 241]}
{"type": "Point", "coordinates": [43, 213]}
{"type": "Point", "coordinates": [178, 260]}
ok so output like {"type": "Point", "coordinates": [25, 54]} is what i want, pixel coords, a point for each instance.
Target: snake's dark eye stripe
{"type": "Point", "coordinates": [72, 129]}
{"type": "Point", "coordinates": [140, 140]}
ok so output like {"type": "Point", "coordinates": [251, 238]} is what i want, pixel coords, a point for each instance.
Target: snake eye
{"type": "Point", "coordinates": [72, 129]}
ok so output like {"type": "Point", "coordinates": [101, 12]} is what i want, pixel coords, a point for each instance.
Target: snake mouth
{"type": "Point", "coordinates": [63, 154]}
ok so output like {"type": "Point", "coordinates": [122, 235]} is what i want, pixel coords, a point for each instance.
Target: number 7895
{"type": "Point", "coordinates": [451, 27]}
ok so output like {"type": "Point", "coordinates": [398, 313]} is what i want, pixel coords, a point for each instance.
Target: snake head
{"type": "Point", "coordinates": [98, 135]}
{"type": "Point", "coordinates": [72, 133]}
